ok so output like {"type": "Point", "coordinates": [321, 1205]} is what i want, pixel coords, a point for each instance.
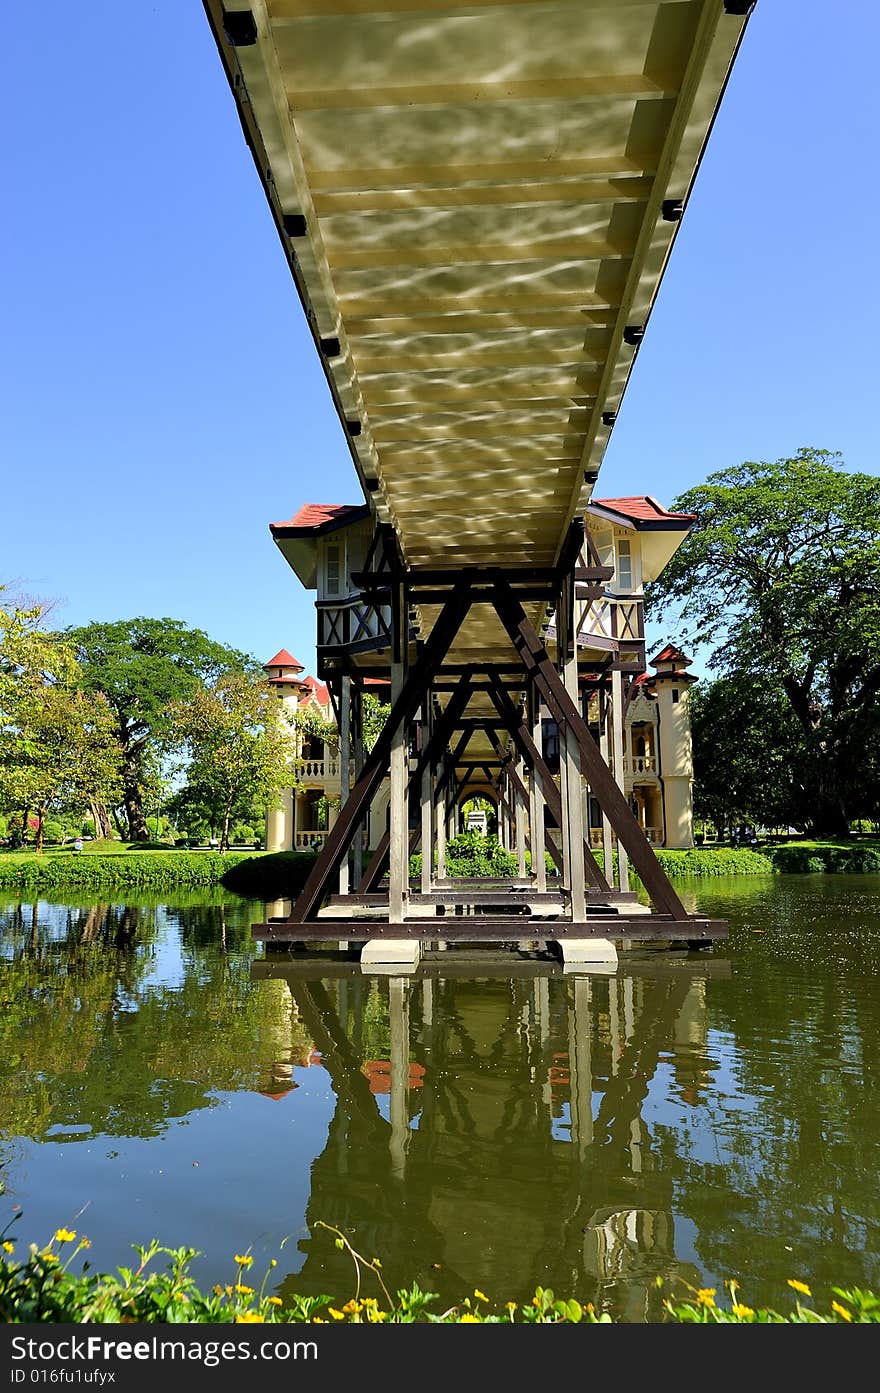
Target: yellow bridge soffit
{"type": "Point", "coordinates": [477, 203]}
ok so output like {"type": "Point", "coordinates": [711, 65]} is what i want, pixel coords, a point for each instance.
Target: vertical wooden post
{"type": "Point", "coordinates": [520, 806]}
{"type": "Point", "coordinates": [427, 792]}
{"type": "Point", "coordinates": [536, 800]}
{"type": "Point", "coordinates": [357, 720]}
{"type": "Point", "coordinates": [617, 734]}
{"type": "Point", "coordinates": [344, 764]}
{"type": "Point", "coordinates": [573, 800]}
{"type": "Point", "coordinates": [607, 843]}
{"type": "Point", "coordinates": [398, 850]}
{"type": "Point", "coordinates": [441, 835]}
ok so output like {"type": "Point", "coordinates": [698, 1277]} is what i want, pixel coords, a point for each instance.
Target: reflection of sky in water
{"type": "Point", "coordinates": [205, 1180]}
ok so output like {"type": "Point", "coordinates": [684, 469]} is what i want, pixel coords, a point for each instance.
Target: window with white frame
{"type": "Point", "coordinates": [624, 567]}
{"type": "Point", "coordinates": [333, 567]}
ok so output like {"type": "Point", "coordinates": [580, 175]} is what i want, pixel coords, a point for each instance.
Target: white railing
{"type": "Point", "coordinates": [611, 619]}
{"type": "Point", "coordinates": [309, 840]}
{"type": "Point", "coordinates": [654, 835]}
{"type": "Point", "coordinates": [639, 764]}
{"type": "Point", "coordinates": [319, 770]}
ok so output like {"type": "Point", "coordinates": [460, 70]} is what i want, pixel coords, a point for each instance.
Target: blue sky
{"type": "Point", "coordinates": [161, 401]}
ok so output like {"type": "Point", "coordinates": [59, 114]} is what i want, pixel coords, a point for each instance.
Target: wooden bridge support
{"type": "Point", "coordinates": [559, 691]}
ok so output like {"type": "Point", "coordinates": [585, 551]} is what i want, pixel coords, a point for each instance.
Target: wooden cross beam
{"type": "Point", "coordinates": [610, 798]}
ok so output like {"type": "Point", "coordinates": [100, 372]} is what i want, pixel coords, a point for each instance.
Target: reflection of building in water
{"type": "Point", "coordinates": [511, 1147]}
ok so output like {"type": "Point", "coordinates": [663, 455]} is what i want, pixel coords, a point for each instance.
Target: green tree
{"type": "Point", "coordinates": [58, 749]}
{"type": "Point", "coordinates": [239, 746]}
{"type": "Point", "coordinates": [781, 578]}
{"type": "Point", "coordinates": [143, 666]}
{"type": "Point", "coordinates": [747, 753]}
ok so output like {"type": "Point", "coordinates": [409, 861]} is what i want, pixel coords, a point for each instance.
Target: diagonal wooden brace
{"type": "Point", "coordinates": [376, 764]}
{"type": "Point", "coordinates": [439, 739]}
{"type": "Point", "coordinates": [537, 663]}
{"type": "Point", "coordinates": [522, 738]}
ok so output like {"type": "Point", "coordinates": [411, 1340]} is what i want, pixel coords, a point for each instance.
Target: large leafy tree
{"type": "Point", "coordinates": [781, 579]}
{"type": "Point", "coordinates": [747, 753]}
{"type": "Point", "coordinates": [143, 667]}
{"type": "Point", "coordinates": [58, 748]}
{"type": "Point", "coordinates": [238, 743]}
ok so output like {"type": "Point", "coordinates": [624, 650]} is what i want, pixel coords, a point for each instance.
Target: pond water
{"type": "Point", "coordinates": [696, 1115]}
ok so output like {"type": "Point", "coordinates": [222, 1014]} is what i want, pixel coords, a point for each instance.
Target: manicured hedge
{"type": "Point", "coordinates": [800, 858]}
{"type": "Point", "coordinates": [135, 870]}
{"type": "Point", "coordinates": [275, 875]}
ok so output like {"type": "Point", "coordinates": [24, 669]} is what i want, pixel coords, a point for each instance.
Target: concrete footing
{"type": "Point", "coordinates": [395, 955]}
{"type": "Point", "coordinates": [587, 954]}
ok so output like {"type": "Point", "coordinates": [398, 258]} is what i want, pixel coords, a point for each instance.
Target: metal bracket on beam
{"type": "Point", "coordinates": [240, 28]}
{"type": "Point", "coordinates": [294, 224]}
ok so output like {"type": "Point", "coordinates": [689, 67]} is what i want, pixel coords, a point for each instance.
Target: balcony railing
{"type": "Point", "coordinates": [653, 834]}
{"type": "Point", "coordinates": [318, 770]}
{"type": "Point", "coordinates": [639, 764]}
{"type": "Point", "coordinates": [354, 623]}
{"type": "Point", "coordinates": [310, 840]}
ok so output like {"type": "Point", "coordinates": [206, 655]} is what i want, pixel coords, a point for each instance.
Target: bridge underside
{"type": "Point", "coordinates": [477, 204]}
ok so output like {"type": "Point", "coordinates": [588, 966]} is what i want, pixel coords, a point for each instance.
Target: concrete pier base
{"type": "Point", "coordinates": [394, 955]}
{"type": "Point", "coordinates": [587, 954]}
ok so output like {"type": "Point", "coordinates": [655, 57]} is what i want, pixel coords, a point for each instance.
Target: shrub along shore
{"type": "Point", "coordinates": [279, 875]}
{"type": "Point", "coordinates": [40, 1288]}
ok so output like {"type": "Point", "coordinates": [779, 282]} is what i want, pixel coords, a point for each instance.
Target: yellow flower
{"type": "Point", "coordinates": [480, 1295]}
{"type": "Point", "coordinates": [243, 1261]}
{"type": "Point", "coordinates": [469, 1320]}
{"type": "Point", "coordinates": [744, 1312]}
{"type": "Point", "coordinates": [799, 1286]}
{"type": "Point", "coordinates": [250, 1318]}
{"type": "Point", "coordinates": [243, 1290]}
{"type": "Point", "coordinates": [706, 1296]}
{"type": "Point", "coordinates": [337, 1315]}
{"type": "Point", "coordinates": [351, 1307]}
{"type": "Point", "coordinates": [65, 1235]}
{"type": "Point", "coordinates": [85, 1243]}
{"type": "Point", "coordinates": [511, 1305]}
{"type": "Point", "coordinates": [841, 1310]}
{"type": "Point", "coordinates": [274, 1301]}
{"type": "Point", "coordinates": [48, 1257]}
{"type": "Point", "coordinates": [733, 1284]}
{"type": "Point", "coordinates": [318, 1320]}
{"type": "Point", "coordinates": [218, 1291]}
{"type": "Point", "coordinates": [8, 1247]}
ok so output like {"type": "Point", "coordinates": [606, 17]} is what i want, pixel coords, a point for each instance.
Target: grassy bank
{"type": "Point", "coordinates": [39, 1288]}
{"type": "Point", "coordinates": [282, 874]}
{"type": "Point", "coordinates": [122, 868]}
{"type": "Point", "coordinates": [838, 857]}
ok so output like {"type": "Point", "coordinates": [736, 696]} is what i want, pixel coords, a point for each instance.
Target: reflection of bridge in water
{"type": "Point", "coordinates": [489, 1129]}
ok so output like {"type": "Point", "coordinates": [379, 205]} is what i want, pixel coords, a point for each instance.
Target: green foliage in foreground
{"type": "Point", "coordinates": [135, 870]}
{"type": "Point", "coordinates": [41, 1289]}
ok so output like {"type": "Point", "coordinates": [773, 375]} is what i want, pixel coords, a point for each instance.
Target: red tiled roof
{"type": "Point", "coordinates": [317, 514]}
{"type": "Point", "coordinates": [284, 681]}
{"type": "Point", "coordinates": [670, 654]}
{"type": "Point", "coordinates": [317, 692]}
{"type": "Point", "coordinates": [644, 508]}
{"type": "Point", "coordinates": [283, 659]}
